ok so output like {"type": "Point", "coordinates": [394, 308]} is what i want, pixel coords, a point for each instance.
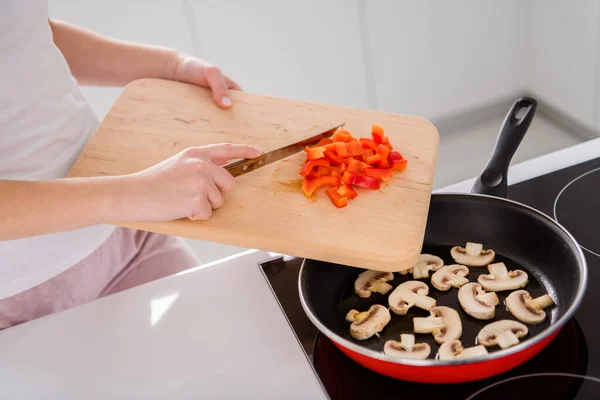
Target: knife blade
{"type": "Point", "coordinates": [246, 165]}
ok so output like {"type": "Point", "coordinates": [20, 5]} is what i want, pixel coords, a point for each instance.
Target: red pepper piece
{"type": "Point", "coordinates": [334, 158]}
{"type": "Point", "coordinates": [341, 149]}
{"type": "Point", "coordinates": [364, 181]}
{"type": "Point", "coordinates": [310, 186]}
{"type": "Point", "coordinates": [378, 134]}
{"type": "Point", "coordinates": [355, 166]}
{"type": "Point", "coordinates": [368, 153]}
{"type": "Point", "coordinates": [342, 135]}
{"type": "Point", "coordinates": [383, 174]}
{"type": "Point", "coordinates": [338, 200]}
{"type": "Point", "coordinates": [348, 177]}
{"type": "Point", "coordinates": [323, 142]}
{"type": "Point", "coordinates": [315, 153]}
{"type": "Point", "coordinates": [383, 152]}
{"type": "Point", "coordinates": [397, 161]}
{"type": "Point", "coordinates": [354, 149]}
{"type": "Point", "coordinates": [368, 144]}
{"type": "Point", "coordinates": [372, 160]}
{"type": "Point", "coordinates": [347, 191]}
{"type": "Point", "coordinates": [309, 165]}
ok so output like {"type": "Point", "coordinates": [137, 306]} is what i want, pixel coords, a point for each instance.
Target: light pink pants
{"type": "Point", "coordinates": [126, 259]}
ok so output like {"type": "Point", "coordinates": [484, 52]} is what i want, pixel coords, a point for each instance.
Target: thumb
{"type": "Point", "coordinates": [223, 152]}
{"type": "Point", "coordinates": [220, 90]}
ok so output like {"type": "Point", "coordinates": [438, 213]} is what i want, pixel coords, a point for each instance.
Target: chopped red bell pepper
{"type": "Point", "coordinates": [350, 149]}
{"type": "Point", "coordinates": [310, 186]}
{"type": "Point", "coordinates": [383, 152]}
{"type": "Point", "coordinates": [334, 158]}
{"type": "Point", "coordinates": [342, 135]}
{"type": "Point", "coordinates": [378, 135]}
{"type": "Point", "coordinates": [314, 153]}
{"type": "Point", "coordinates": [323, 142]}
{"type": "Point", "coordinates": [355, 166]}
{"type": "Point", "coordinates": [309, 165]}
{"type": "Point", "coordinates": [368, 153]}
{"type": "Point", "coordinates": [364, 181]}
{"type": "Point", "coordinates": [354, 149]}
{"type": "Point", "coordinates": [368, 144]}
{"type": "Point", "coordinates": [397, 161]}
{"type": "Point", "coordinates": [348, 177]}
{"type": "Point", "coordinates": [372, 160]}
{"type": "Point", "coordinates": [338, 200]}
{"type": "Point", "coordinates": [383, 174]}
{"type": "Point", "coordinates": [347, 191]}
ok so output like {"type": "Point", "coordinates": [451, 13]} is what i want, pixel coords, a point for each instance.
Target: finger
{"type": "Point", "coordinates": [215, 198]}
{"type": "Point", "coordinates": [216, 81]}
{"type": "Point", "coordinates": [220, 153]}
{"type": "Point", "coordinates": [231, 84]}
{"type": "Point", "coordinates": [202, 211]}
{"type": "Point", "coordinates": [223, 179]}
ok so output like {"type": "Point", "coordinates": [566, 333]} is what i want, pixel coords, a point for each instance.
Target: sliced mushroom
{"type": "Point", "coordinates": [450, 276]}
{"type": "Point", "coordinates": [472, 255]}
{"type": "Point", "coordinates": [526, 309]}
{"type": "Point", "coordinates": [501, 279]}
{"type": "Point", "coordinates": [426, 263]}
{"type": "Point", "coordinates": [367, 323]}
{"type": "Point", "coordinates": [476, 302]}
{"type": "Point", "coordinates": [454, 349]}
{"type": "Point", "coordinates": [406, 348]}
{"type": "Point", "coordinates": [408, 294]}
{"type": "Point", "coordinates": [372, 281]}
{"type": "Point", "coordinates": [504, 333]}
{"type": "Point", "coordinates": [444, 323]}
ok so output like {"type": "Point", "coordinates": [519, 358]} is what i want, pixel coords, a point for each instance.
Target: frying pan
{"type": "Point", "coordinates": [522, 237]}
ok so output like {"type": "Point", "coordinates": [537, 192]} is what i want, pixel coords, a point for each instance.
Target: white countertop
{"type": "Point", "coordinates": [214, 332]}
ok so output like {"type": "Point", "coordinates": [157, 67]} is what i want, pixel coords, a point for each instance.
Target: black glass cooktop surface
{"type": "Point", "coordinates": [569, 368]}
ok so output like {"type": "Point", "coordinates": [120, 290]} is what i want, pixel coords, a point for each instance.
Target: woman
{"type": "Point", "coordinates": [56, 250]}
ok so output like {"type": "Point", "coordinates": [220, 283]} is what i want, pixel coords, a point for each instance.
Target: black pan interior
{"type": "Point", "coordinates": [521, 238]}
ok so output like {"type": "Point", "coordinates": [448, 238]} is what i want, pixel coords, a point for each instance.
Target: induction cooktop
{"type": "Point", "coordinates": [569, 368]}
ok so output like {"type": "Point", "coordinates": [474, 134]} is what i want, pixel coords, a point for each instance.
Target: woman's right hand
{"type": "Point", "coordinates": [190, 184]}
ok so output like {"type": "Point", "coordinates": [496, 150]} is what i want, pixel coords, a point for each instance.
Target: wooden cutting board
{"type": "Point", "coordinates": [155, 119]}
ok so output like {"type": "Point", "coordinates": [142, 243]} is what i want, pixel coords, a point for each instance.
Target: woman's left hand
{"type": "Point", "coordinates": [199, 72]}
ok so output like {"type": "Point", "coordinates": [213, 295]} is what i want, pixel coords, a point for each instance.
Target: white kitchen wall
{"type": "Point", "coordinates": [564, 50]}
{"type": "Point", "coordinates": [434, 58]}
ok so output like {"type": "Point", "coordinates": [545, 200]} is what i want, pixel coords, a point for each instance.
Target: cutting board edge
{"type": "Point", "coordinates": [387, 263]}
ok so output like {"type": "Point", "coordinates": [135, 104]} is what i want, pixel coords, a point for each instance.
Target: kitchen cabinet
{"type": "Point", "coordinates": [564, 51]}
{"type": "Point", "coordinates": [307, 50]}
{"type": "Point", "coordinates": [436, 58]}
{"type": "Point", "coordinates": [162, 22]}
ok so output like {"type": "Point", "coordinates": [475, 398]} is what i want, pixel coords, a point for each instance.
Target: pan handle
{"type": "Point", "coordinates": [492, 180]}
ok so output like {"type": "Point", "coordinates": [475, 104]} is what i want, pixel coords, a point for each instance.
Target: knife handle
{"type": "Point", "coordinates": [241, 167]}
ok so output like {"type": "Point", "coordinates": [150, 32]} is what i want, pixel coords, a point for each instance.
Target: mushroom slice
{"type": "Point", "coordinates": [408, 294]}
{"type": "Point", "coordinates": [472, 255]}
{"type": "Point", "coordinates": [406, 348]}
{"type": "Point", "coordinates": [450, 276]}
{"type": "Point", "coordinates": [426, 263]}
{"type": "Point", "coordinates": [527, 309]}
{"type": "Point", "coordinates": [501, 279]}
{"type": "Point", "coordinates": [372, 281]}
{"type": "Point", "coordinates": [504, 333]}
{"type": "Point", "coordinates": [367, 323]}
{"type": "Point", "coordinates": [453, 349]}
{"type": "Point", "coordinates": [476, 302]}
{"type": "Point", "coordinates": [444, 323]}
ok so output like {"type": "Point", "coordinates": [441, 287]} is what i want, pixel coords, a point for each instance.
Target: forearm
{"type": "Point", "coordinates": [37, 208]}
{"type": "Point", "coordinates": [97, 60]}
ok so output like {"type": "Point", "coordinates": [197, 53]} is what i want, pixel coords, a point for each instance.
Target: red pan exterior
{"type": "Point", "coordinates": [449, 374]}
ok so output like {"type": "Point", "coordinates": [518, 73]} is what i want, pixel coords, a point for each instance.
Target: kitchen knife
{"type": "Point", "coordinates": [241, 167]}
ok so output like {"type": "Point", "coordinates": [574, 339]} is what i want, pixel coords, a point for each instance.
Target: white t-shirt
{"type": "Point", "coordinates": [44, 124]}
